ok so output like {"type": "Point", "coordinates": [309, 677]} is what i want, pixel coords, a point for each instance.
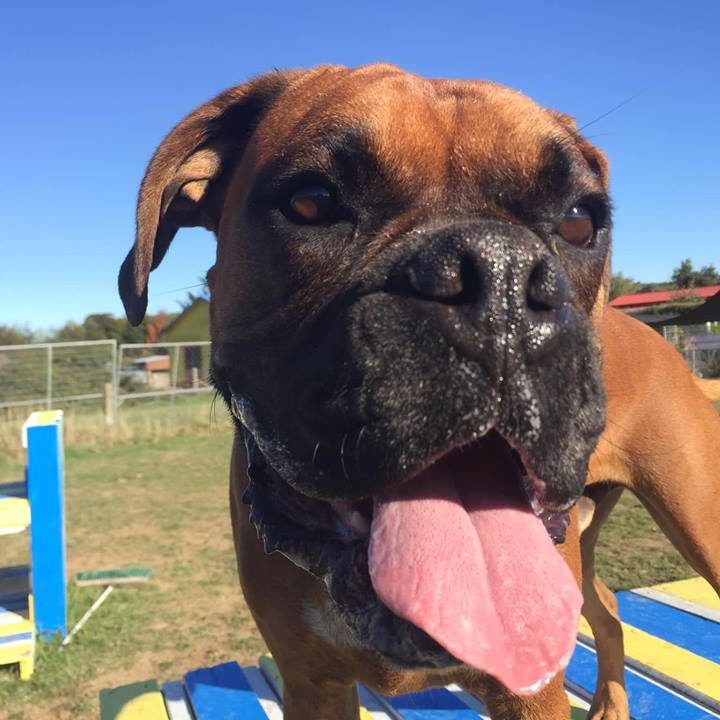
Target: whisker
{"type": "Point", "coordinates": [357, 448]}
{"type": "Point", "coordinates": [315, 452]}
{"type": "Point", "coordinates": [342, 457]}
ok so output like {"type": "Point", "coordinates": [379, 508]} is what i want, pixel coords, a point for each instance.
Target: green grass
{"type": "Point", "coordinates": [158, 504]}
{"type": "Point", "coordinates": [632, 551]}
{"type": "Point", "coordinates": [84, 424]}
{"type": "Point", "coordinates": [162, 502]}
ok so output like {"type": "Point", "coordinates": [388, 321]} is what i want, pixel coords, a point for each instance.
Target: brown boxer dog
{"type": "Point", "coordinates": [662, 441]}
{"type": "Point", "coordinates": [410, 278]}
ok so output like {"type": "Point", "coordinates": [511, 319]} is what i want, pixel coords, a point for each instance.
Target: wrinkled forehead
{"type": "Point", "coordinates": [411, 126]}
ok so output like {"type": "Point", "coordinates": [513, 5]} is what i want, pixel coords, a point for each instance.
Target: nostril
{"type": "Point", "coordinates": [445, 278]}
{"type": "Point", "coordinates": [438, 280]}
{"type": "Point", "coordinates": [545, 288]}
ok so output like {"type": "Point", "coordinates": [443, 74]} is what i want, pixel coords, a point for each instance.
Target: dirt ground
{"type": "Point", "coordinates": [711, 388]}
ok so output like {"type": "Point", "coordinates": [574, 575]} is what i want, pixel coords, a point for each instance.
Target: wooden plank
{"type": "Point", "coordinates": [268, 699]}
{"type": "Point", "coordinates": [648, 699]}
{"type": "Point", "coordinates": [694, 589]}
{"type": "Point", "coordinates": [138, 701]}
{"type": "Point", "coordinates": [222, 692]}
{"type": "Point", "coordinates": [176, 702]}
{"type": "Point", "coordinates": [16, 489]}
{"type": "Point", "coordinates": [697, 590]}
{"type": "Point", "coordinates": [470, 700]}
{"type": "Point", "coordinates": [696, 634]}
{"type": "Point", "coordinates": [14, 514]}
{"type": "Point", "coordinates": [671, 666]}
{"type": "Point", "coordinates": [17, 649]}
{"type": "Point", "coordinates": [681, 604]}
{"type": "Point", "coordinates": [270, 671]}
{"type": "Point", "coordinates": [12, 623]}
{"type": "Point", "coordinates": [374, 708]}
{"type": "Point", "coordinates": [433, 704]}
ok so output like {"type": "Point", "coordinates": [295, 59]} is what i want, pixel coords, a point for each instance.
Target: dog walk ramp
{"type": "Point", "coordinates": [672, 672]}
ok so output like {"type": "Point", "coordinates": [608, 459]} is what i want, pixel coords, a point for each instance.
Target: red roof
{"type": "Point", "coordinates": [663, 296]}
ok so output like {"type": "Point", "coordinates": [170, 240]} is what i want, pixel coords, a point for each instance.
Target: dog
{"type": "Point", "coordinates": [662, 442]}
{"type": "Point", "coordinates": [407, 317]}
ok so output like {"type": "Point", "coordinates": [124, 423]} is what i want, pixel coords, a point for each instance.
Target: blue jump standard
{"type": "Point", "coordinates": [44, 473]}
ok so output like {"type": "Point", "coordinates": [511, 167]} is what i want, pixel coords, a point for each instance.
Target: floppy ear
{"type": "Point", "coordinates": [595, 158]}
{"type": "Point", "coordinates": [185, 180]}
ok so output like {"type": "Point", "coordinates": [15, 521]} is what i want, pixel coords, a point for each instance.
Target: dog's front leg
{"type": "Point", "coordinates": [601, 611]}
{"type": "Point", "coordinates": [551, 703]}
{"type": "Point", "coordinates": [326, 701]}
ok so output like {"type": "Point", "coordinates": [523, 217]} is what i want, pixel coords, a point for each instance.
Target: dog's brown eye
{"type": "Point", "coordinates": [311, 204]}
{"type": "Point", "coordinates": [578, 226]}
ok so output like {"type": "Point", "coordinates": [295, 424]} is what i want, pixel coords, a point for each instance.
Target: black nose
{"type": "Point", "coordinates": [491, 276]}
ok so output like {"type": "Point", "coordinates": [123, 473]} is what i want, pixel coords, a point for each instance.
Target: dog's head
{"type": "Point", "coordinates": [409, 273]}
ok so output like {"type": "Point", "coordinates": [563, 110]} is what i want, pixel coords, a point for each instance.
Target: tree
{"type": "Point", "coordinates": [622, 285]}
{"type": "Point", "coordinates": [707, 275]}
{"type": "Point", "coordinates": [11, 335]}
{"type": "Point", "coordinates": [684, 276]}
{"type": "Point", "coordinates": [100, 326]}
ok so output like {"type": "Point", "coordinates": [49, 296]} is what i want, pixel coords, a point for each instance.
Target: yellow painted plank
{"type": "Point", "coordinates": [17, 652]}
{"type": "Point", "coordinates": [44, 417]}
{"type": "Point", "coordinates": [697, 590]}
{"type": "Point", "coordinates": [14, 512]}
{"type": "Point", "coordinates": [14, 624]}
{"type": "Point", "coordinates": [139, 701]}
{"type": "Point", "coordinates": [684, 666]}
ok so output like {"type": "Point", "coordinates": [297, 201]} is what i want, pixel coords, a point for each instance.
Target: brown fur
{"type": "Point", "coordinates": [662, 441]}
{"type": "Point", "coordinates": [439, 152]}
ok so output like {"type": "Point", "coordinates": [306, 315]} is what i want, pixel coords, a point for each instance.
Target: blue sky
{"type": "Point", "coordinates": [90, 88]}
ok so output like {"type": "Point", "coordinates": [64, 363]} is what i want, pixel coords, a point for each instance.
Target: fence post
{"type": "Point", "coordinates": [108, 403]}
{"type": "Point", "coordinates": [42, 437]}
{"type": "Point", "coordinates": [48, 398]}
{"type": "Point", "coordinates": [111, 399]}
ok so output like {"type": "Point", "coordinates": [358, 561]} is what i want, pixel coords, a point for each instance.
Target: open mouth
{"type": "Point", "coordinates": [455, 564]}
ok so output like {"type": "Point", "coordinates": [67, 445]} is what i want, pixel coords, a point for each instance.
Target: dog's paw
{"type": "Point", "coordinates": [610, 703]}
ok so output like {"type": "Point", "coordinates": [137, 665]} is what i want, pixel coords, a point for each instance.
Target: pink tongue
{"type": "Point", "coordinates": [477, 571]}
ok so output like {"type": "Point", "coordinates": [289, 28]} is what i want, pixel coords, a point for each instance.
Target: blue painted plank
{"type": "Point", "coordinates": [25, 636]}
{"type": "Point", "coordinates": [435, 704]}
{"type": "Point", "coordinates": [13, 603]}
{"type": "Point", "coordinates": [648, 701]}
{"type": "Point", "coordinates": [45, 482]}
{"type": "Point", "coordinates": [14, 571]}
{"type": "Point", "coordinates": [223, 693]}
{"type": "Point", "coordinates": [14, 489]}
{"type": "Point", "coordinates": [696, 634]}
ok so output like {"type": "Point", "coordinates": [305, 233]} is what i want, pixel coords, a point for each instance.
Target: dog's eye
{"type": "Point", "coordinates": [578, 226]}
{"type": "Point", "coordinates": [312, 205]}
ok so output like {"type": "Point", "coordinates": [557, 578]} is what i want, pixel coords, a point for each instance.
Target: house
{"type": "Point", "coordinates": [153, 371]}
{"type": "Point", "coordinates": [192, 325]}
{"type": "Point", "coordinates": [661, 306]}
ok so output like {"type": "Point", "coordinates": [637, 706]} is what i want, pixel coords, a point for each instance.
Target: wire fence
{"type": "Point", "coordinates": [700, 348]}
{"type": "Point", "coordinates": [100, 373]}
{"type": "Point", "coordinates": [152, 370]}
{"type": "Point", "coordinates": [48, 374]}
{"type": "Point", "coordinates": [106, 375]}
